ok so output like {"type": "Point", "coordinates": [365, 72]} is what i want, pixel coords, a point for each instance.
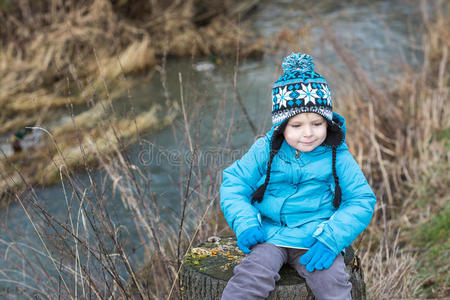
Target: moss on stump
{"type": "Point", "coordinates": [208, 267]}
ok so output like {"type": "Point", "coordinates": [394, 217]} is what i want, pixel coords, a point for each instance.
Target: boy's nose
{"type": "Point", "coordinates": [307, 131]}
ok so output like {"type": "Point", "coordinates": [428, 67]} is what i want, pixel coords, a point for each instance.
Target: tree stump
{"type": "Point", "coordinates": [208, 267]}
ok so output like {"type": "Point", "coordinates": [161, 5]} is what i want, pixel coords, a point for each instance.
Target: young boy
{"type": "Point", "coordinates": [297, 196]}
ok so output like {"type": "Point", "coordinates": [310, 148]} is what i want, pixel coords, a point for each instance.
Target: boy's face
{"type": "Point", "coordinates": [306, 131]}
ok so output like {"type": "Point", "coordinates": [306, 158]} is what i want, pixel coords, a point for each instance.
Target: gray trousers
{"type": "Point", "coordinates": [255, 276]}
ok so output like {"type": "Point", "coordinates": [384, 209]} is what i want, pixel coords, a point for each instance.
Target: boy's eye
{"type": "Point", "coordinates": [318, 124]}
{"type": "Point", "coordinates": [295, 125]}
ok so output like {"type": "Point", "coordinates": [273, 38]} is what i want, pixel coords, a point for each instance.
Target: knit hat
{"type": "Point", "coordinates": [300, 89]}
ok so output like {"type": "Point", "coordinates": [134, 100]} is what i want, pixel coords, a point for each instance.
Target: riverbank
{"type": "Point", "coordinates": [80, 56]}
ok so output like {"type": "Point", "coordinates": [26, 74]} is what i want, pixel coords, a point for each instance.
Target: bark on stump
{"type": "Point", "coordinates": [209, 266]}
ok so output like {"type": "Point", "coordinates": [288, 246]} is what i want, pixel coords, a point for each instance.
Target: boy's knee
{"type": "Point", "coordinates": [336, 272]}
{"type": "Point", "coordinates": [265, 257]}
{"type": "Point", "coordinates": [256, 275]}
{"type": "Point", "coordinates": [331, 283]}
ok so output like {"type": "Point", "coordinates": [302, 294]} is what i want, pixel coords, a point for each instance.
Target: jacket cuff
{"type": "Point", "coordinates": [326, 237]}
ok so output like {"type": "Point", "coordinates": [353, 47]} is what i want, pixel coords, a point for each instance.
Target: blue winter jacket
{"type": "Point", "coordinates": [298, 201]}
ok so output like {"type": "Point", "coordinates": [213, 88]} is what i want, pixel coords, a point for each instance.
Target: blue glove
{"type": "Point", "coordinates": [318, 257]}
{"type": "Point", "coordinates": [250, 237]}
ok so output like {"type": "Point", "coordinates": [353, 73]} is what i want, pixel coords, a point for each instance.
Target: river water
{"type": "Point", "coordinates": [380, 33]}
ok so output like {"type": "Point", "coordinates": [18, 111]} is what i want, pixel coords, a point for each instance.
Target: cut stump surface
{"type": "Point", "coordinates": [208, 267]}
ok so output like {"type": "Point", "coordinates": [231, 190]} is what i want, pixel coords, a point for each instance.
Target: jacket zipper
{"type": "Point", "coordinates": [297, 153]}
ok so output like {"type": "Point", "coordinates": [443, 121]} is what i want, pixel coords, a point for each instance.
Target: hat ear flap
{"type": "Point", "coordinates": [278, 136]}
{"type": "Point", "coordinates": [335, 136]}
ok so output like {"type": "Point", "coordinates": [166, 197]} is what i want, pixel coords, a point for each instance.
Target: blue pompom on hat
{"type": "Point", "coordinates": [300, 89]}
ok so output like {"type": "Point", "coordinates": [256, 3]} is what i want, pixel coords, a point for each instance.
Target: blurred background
{"type": "Point", "coordinates": [118, 117]}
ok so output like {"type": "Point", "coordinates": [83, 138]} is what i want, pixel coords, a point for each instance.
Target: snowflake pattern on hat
{"type": "Point", "coordinates": [300, 89]}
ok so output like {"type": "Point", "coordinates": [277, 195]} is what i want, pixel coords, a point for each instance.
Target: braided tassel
{"type": "Point", "coordinates": [337, 189]}
{"type": "Point", "coordinates": [275, 145]}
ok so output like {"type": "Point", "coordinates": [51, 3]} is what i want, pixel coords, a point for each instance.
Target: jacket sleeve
{"type": "Point", "coordinates": [239, 182]}
{"type": "Point", "coordinates": [356, 209]}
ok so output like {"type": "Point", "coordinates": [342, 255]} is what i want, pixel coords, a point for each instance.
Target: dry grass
{"type": "Point", "coordinates": [55, 48]}
{"type": "Point", "coordinates": [390, 272]}
{"type": "Point", "coordinates": [77, 145]}
{"type": "Point", "coordinates": [67, 54]}
{"type": "Point", "coordinates": [400, 136]}
{"type": "Point", "coordinates": [55, 55]}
